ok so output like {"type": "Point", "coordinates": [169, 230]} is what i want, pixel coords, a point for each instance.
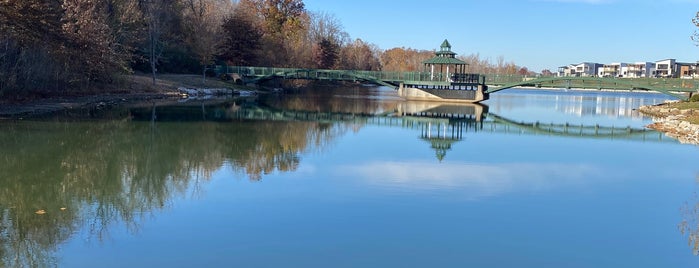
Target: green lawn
{"type": "Point", "coordinates": [693, 105]}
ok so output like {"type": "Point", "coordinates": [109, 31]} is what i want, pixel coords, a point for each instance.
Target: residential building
{"type": "Point", "coordinates": [687, 70]}
{"type": "Point", "coordinates": [665, 68]}
{"type": "Point", "coordinates": [611, 70]}
{"type": "Point", "coordinates": [585, 69]}
{"type": "Point", "coordinates": [638, 70]}
{"type": "Point", "coordinates": [565, 71]}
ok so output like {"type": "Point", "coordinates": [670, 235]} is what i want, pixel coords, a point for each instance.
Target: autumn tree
{"type": "Point", "coordinates": [359, 55]}
{"type": "Point", "coordinates": [90, 44]}
{"type": "Point", "coordinates": [282, 15]}
{"type": "Point", "coordinates": [61, 45]}
{"type": "Point", "coordinates": [242, 40]}
{"type": "Point", "coordinates": [523, 71]}
{"type": "Point", "coordinates": [28, 34]}
{"type": "Point", "coordinates": [283, 23]}
{"type": "Point", "coordinates": [476, 64]}
{"type": "Point", "coordinates": [326, 34]}
{"type": "Point", "coordinates": [202, 21]}
{"type": "Point", "coordinates": [325, 54]}
{"type": "Point", "coordinates": [404, 59]}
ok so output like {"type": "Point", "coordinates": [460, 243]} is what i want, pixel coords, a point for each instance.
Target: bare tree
{"type": "Point", "coordinates": [500, 64]}
{"type": "Point", "coordinates": [203, 20]}
{"type": "Point", "coordinates": [359, 55]}
{"type": "Point", "coordinates": [695, 36]}
{"type": "Point", "coordinates": [326, 26]}
{"type": "Point", "coordinates": [156, 17]}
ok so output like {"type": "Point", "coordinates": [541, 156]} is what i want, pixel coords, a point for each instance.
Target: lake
{"type": "Point", "coordinates": [351, 177]}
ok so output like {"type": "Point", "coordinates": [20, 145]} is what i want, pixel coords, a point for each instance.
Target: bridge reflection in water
{"type": "Point", "coordinates": [433, 119]}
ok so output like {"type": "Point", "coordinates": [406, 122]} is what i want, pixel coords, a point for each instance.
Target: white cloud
{"type": "Point", "coordinates": [474, 180]}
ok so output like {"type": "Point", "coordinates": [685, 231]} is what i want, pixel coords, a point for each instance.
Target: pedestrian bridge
{"type": "Point", "coordinates": [450, 121]}
{"type": "Point", "coordinates": [256, 75]}
{"type": "Point", "coordinates": [678, 88]}
{"type": "Point", "coordinates": [462, 82]}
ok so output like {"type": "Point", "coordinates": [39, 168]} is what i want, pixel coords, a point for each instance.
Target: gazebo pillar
{"type": "Point", "coordinates": [445, 57]}
{"type": "Point", "coordinates": [446, 79]}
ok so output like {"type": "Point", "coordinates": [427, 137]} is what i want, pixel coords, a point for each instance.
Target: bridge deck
{"type": "Point", "coordinates": [392, 79]}
{"type": "Point", "coordinates": [673, 87]}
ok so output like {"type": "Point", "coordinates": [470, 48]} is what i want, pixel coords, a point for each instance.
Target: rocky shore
{"type": "Point", "coordinates": [672, 122]}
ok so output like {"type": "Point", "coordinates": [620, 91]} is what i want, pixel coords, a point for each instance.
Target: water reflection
{"type": "Point", "coordinates": [689, 226]}
{"type": "Point", "coordinates": [575, 105]}
{"type": "Point", "coordinates": [88, 175]}
{"type": "Point", "coordinates": [473, 180]}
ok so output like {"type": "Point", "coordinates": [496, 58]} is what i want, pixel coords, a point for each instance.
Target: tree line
{"type": "Point", "coordinates": [60, 46]}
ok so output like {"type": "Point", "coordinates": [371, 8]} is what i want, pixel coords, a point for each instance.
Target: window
{"type": "Point", "coordinates": [663, 66]}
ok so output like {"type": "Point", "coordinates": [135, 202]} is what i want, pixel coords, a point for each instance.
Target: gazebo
{"type": "Point", "coordinates": [444, 58]}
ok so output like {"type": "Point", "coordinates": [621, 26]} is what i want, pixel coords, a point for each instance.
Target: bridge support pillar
{"type": "Point", "coordinates": [443, 93]}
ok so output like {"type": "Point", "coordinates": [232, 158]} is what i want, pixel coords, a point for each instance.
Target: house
{"type": "Point", "coordinates": [669, 68]}
{"type": "Point", "coordinates": [611, 70]}
{"type": "Point", "coordinates": [665, 68]}
{"type": "Point", "coordinates": [638, 70]}
{"type": "Point", "coordinates": [585, 69]}
{"type": "Point", "coordinates": [687, 70]}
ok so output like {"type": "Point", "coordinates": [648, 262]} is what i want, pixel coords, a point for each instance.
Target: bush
{"type": "Point", "coordinates": [694, 98]}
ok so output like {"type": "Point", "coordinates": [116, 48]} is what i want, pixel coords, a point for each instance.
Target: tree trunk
{"type": "Point", "coordinates": [152, 52]}
{"type": "Point", "coordinates": [204, 76]}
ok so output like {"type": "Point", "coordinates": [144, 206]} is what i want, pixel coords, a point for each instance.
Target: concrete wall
{"type": "Point", "coordinates": [445, 95]}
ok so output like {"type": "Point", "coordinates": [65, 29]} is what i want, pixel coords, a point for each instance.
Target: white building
{"type": "Point", "coordinates": [638, 70]}
{"type": "Point", "coordinates": [611, 70]}
{"type": "Point", "coordinates": [665, 68]}
{"type": "Point", "coordinates": [585, 69]}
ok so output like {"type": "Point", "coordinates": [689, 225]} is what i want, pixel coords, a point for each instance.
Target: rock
{"type": "Point", "coordinates": [672, 123]}
{"type": "Point", "coordinates": [204, 91]}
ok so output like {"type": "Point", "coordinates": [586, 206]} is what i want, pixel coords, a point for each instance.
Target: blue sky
{"type": "Point", "coordinates": [538, 34]}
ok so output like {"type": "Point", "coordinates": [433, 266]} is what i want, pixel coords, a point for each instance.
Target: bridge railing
{"type": "Point", "coordinates": [349, 74]}
{"type": "Point", "coordinates": [679, 84]}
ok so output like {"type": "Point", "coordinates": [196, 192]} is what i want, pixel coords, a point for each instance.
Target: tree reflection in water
{"type": "Point", "coordinates": [88, 176]}
{"type": "Point", "coordinates": [690, 222]}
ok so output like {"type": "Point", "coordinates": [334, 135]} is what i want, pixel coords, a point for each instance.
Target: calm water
{"type": "Point", "coordinates": [351, 178]}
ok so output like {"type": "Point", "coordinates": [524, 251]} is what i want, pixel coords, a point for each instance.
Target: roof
{"type": "Point", "coordinates": [444, 61]}
{"type": "Point", "coordinates": [445, 44]}
{"type": "Point", "coordinates": [445, 56]}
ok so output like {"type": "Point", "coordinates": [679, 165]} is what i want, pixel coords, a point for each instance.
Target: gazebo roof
{"type": "Point", "coordinates": [445, 56]}
{"type": "Point", "coordinates": [444, 60]}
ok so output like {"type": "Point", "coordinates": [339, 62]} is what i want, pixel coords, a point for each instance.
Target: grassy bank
{"type": "Point", "coordinates": [170, 82]}
{"type": "Point", "coordinates": [683, 106]}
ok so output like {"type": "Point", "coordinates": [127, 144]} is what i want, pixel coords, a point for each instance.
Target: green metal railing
{"type": "Point", "coordinates": [676, 84]}
{"type": "Point", "coordinates": [496, 82]}
{"type": "Point", "coordinates": [393, 78]}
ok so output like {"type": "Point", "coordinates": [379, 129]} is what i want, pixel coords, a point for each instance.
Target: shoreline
{"type": "Point", "coordinates": [671, 122]}
{"type": "Point", "coordinates": [589, 90]}
{"type": "Point", "coordinates": [18, 111]}
{"type": "Point", "coordinates": [133, 89]}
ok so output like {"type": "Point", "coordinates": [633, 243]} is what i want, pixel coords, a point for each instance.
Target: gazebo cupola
{"type": "Point", "coordinates": [444, 59]}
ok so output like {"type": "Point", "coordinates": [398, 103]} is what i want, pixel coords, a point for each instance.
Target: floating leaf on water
{"type": "Point", "coordinates": [63, 209]}
{"type": "Point", "coordinates": [40, 212]}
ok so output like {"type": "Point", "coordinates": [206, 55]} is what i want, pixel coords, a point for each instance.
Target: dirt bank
{"type": "Point", "coordinates": [133, 89]}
